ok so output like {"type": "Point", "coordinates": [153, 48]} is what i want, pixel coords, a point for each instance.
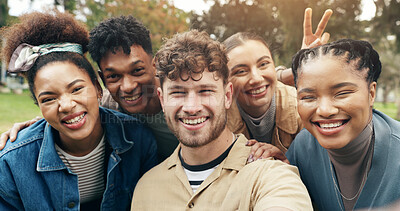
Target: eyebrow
{"type": "Point", "coordinates": [263, 57]}
{"type": "Point", "coordinates": [307, 90]}
{"type": "Point", "coordinates": [68, 86]}
{"type": "Point", "coordinates": [336, 86]}
{"type": "Point", "coordinates": [202, 86]}
{"type": "Point", "coordinates": [258, 60]}
{"type": "Point", "coordinates": [132, 64]}
{"type": "Point", "coordinates": [238, 65]}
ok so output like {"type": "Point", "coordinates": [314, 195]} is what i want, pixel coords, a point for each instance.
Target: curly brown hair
{"type": "Point", "coordinates": [39, 28]}
{"type": "Point", "coordinates": [188, 54]}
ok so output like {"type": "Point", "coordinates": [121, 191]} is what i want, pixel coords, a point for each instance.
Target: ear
{"type": "Point", "coordinates": [372, 93]}
{"type": "Point", "coordinates": [160, 97]}
{"type": "Point", "coordinates": [228, 95]}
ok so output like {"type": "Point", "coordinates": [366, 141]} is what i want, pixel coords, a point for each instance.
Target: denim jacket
{"type": "Point", "coordinates": [33, 177]}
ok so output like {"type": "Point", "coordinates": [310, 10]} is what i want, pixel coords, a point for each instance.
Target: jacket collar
{"type": "Point", "coordinates": [49, 160]}
{"type": "Point", "coordinates": [236, 159]}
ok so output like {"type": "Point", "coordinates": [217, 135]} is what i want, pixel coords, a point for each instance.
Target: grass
{"type": "Point", "coordinates": [19, 108]}
{"type": "Point", "coordinates": [16, 108]}
{"type": "Point", "coordinates": [389, 109]}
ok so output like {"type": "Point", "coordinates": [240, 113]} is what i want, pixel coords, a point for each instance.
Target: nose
{"type": "Point", "coordinates": [128, 85]}
{"type": "Point", "coordinates": [192, 104]}
{"type": "Point", "coordinates": [326, 108]}
{"type": "Point", "coordinates": [256, 76]}
{"type": "Point", "coordinates": [66, 104]}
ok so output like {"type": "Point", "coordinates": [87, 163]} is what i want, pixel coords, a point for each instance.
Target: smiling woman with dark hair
{"type": "Point", "coordinates": [79, 156]}
{"type": "Point", "coordinates": [349, 155]}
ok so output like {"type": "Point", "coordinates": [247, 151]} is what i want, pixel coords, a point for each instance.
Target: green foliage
{"type": "Point", "coordinates": [387, 21]}
{"type": "Point", "coordinates": [389, 109]}
{"type": "Point", "coordinates": [278, 21]}
{"type": "Point", "coordinates": [160, 16]}
{"type": "Point", "coordinates": [3, 12]}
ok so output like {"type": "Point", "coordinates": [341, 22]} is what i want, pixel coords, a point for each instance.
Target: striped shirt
{"type": "Point", "coordinates": [196, 174]}
{"type": "Point", "coordinates": [90, 171]}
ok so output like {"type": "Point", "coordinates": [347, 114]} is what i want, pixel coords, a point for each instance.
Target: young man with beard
{"type": "Point", "coordinates": [208, 170]}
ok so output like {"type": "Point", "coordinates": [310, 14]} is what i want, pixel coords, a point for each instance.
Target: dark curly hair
{"type": "Point", "coordinates": [359, 51]}
{"type": "Point", "coordinates": [123, 31]}
{"type": "Point", "coordinates": [38, 28]}
{"type": "Point", "coordinates": [188, 54]}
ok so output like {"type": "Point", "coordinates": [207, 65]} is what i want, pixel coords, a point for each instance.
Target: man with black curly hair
{"type": "Point", "coordinates": [121, 47]}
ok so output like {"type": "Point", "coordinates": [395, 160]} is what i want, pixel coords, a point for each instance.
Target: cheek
{"type": "Point", "coordinates": [113, 88]}
{"type": "Point", "coordinates": [305, 110]}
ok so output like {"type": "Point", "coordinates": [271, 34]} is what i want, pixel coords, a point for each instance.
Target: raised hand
{"type": "Point", "coordinates": [310, 39]}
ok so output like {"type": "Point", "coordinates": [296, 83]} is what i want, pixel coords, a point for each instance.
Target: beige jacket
{"type": "Point", "coordinates": [233, 185]}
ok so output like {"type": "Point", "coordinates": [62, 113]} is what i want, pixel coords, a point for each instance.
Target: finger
{"type": "Point", "coordinates": [280, 156]}
{"type": "Point", "coordinates": [3, 139]}
{"type": "Point", "coordinates": [254, 148]}
{"type": "Point", "coordinates": [286, 161]}
{"type": "Point", "coordinates": [307, 25]}
{"type": "Point", "coordinates": [251, 142]}
{"type": "Point", "coordinates": [323, 22]}
{"type": "Point", "coordinates": [325, 38]}
{"type": "Point", "coordinates": [15, 129]}
{"type": "Point", "coordinates": [314, 44]}
{"type": "Point", "coordinates": [261, 153]}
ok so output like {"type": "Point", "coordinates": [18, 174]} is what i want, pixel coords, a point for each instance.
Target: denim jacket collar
{"type": "Point", "coordinates": [49, 160]}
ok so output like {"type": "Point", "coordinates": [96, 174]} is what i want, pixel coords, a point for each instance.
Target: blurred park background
{"type": "Point", "coordinates": [278, 21]}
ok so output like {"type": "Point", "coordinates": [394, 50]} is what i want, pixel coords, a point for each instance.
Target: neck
{"type": "Point", "coordinates": [209, 152]}
{"type": "Point", "coordinates": [82, 147]}
{"type": "Point", "coordinates": [354, 150]}
{"type": "Point", "coordinates": [255, 112]}
{"type": "Point", "coordinates": [154, 106]}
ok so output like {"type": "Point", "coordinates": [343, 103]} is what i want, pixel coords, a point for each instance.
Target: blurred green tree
{"type": "Point", "coordinates": [3, 12]}
{"type": "Point", "coordinates": [384, 33]}
{"type": "Point", "coordinates": [279, 22]}
{"type": "Point", "coordinates": [160, 16]}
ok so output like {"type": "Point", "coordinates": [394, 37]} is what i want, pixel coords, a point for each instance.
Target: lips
{"type": "Point", "coordinates": [193, 123]}
{"type": "Point", "coordinates": [132, 98]}
{"type": "Point", "coordinates": [257, 92]}
{"type": "Point", "coordinates": [330, 127]}
{"type": "Point", "coordinates": [74, 121]}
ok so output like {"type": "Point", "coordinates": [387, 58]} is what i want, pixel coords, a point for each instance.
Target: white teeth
{"type": "Point", "coordinates": [75, 120]}
{"type": "Point", "coordinates": [194, 121]}
{"type": "Point", "coordinates": [330, 125]}
{"type": "Point", "coordinates": [132, 98]}
{"type": "Point", "coordinates": [258, 91]}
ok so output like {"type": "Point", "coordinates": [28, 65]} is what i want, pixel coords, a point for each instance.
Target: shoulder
{"type": "Point", "coordinates": [274, 182]}
{"type": "Point", "coordinates": [304, 144]}
{"type": "Point", "coordinates": [153, 179]}
{"type": "Point", "coordinates": [285, 91]}
{"type": "Point", "coordinates": [383, 121]}
{"type": "Point", "coordinates": [287, 117]}
{"type": "Point", "coordinates": [25, 137]}
{"type": "Point", "coordinates": [268, 167]}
